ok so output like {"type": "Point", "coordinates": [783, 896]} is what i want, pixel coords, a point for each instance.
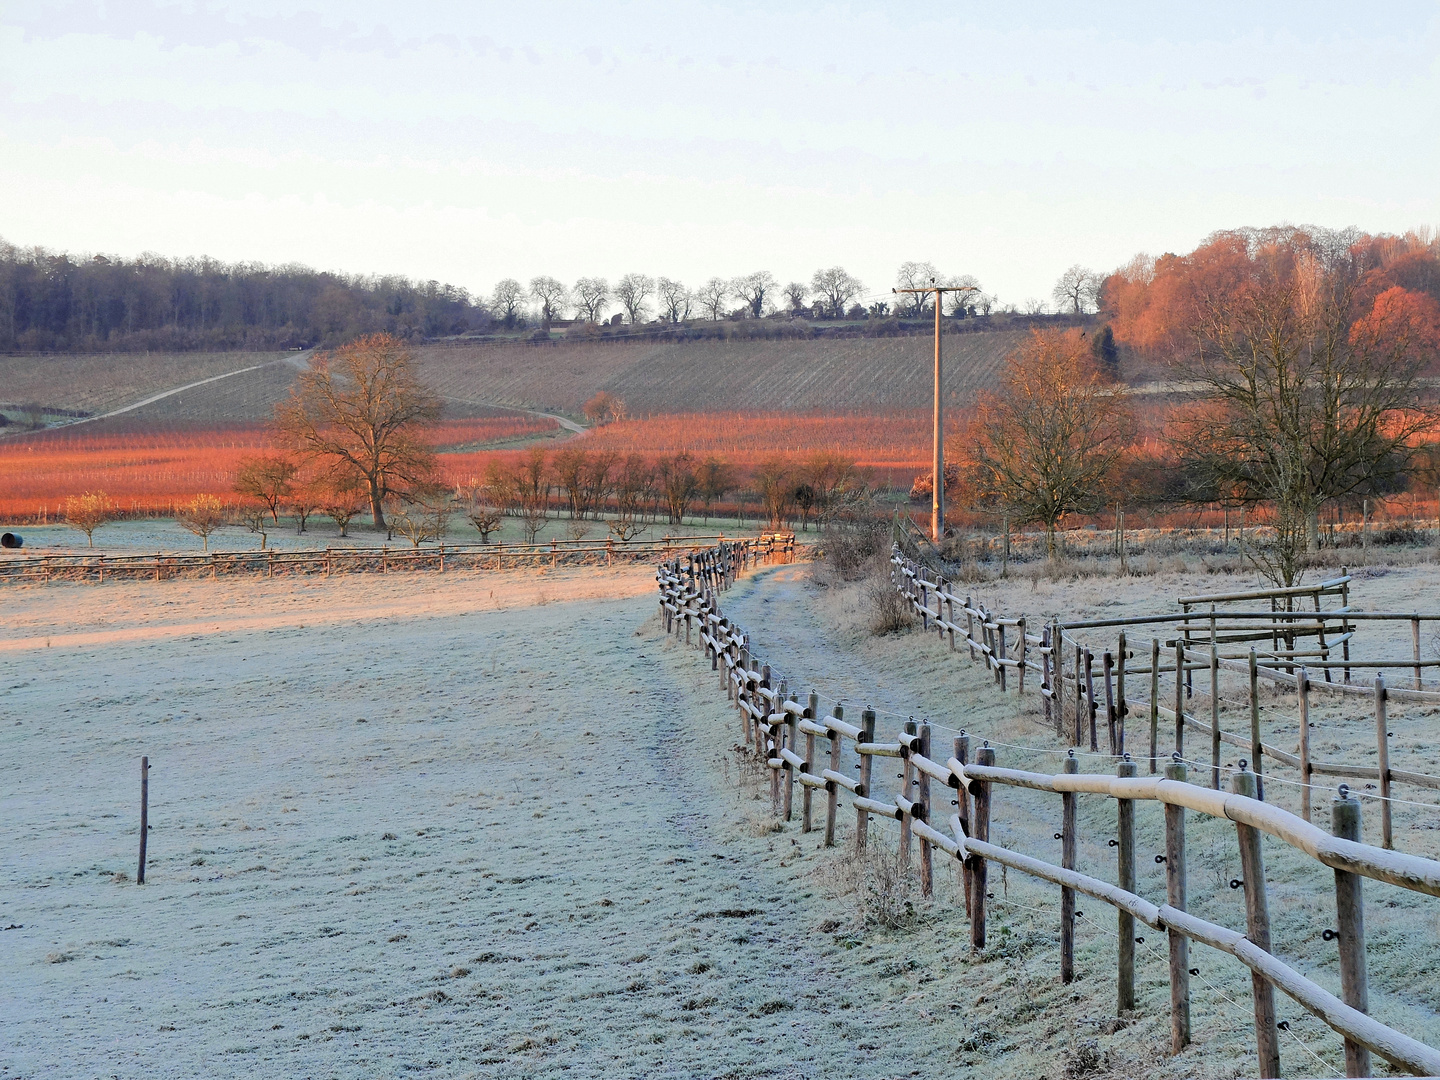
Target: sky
{"type": "Point", "coordinates": [469, 142]}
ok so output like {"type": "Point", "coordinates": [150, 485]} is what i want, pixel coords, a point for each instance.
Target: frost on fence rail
{"type": "Point", "coordinates": [1080, 686]}
{"type": "Point", "coordinates": [773, 719]}
{"type": "Point", "coordinates": [335, 560]}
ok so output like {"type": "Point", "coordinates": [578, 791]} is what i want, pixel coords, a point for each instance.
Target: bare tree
{"type": "Point", "coordinates": [597, 480]}
{"type": "Point", "coordinates": [362, 410]}
{"type": "Point", "coordinates": [675, 300]}
{"type": "Point", "coordinates": [915, 275]}
{"type": "Point", "coordinates": [1312, 389]}
{"type": "Point", "coordinates": [86, 513]}
{"type": "Point", "coordinates": [592, 297]}
{"type": "Point", "coordinates": [756, 290]}
{"type": "Point", "coordinates": [267, 478]}
{"type": "Point", "coordinates": [252, 516]}
{"type": "Point", "coordinates": [632, 292]}
{"type": "Point", "coordinates": [509, 294]}
{"type": "Point", "coordinates": [202, 515]}
{"type": "Point", "coordinates": [795, 294]}
{"type": "Point", "coordinates": [712, 296]}
{"type": "Point", "coordinates": [1078, 290]}
{"type": "Point", "coordinates": [1047, 442]}
{"type": "Point", "coordinates": [550, 295]}
{"type": "Point", "coordinates": [569, 466]}
{"type": "Point", "coordinates": [774, 481]}
{"type": "Point", "coordinates": [602, 407]}
{"type": "Point", "coordinates": [836, 288]}
{"type": "Point", "coordinates": [717, 479]}
{"type": "Point", "coordinates": [965, 305]}
{"type": "Point", "coordinates": [631, 484]}
{"type": "Point", "coordinates": [343, 496]}
{"type": "Point", "coordinates": [679, 484]}
{"type": "Point", "coordinates": [422, 516]}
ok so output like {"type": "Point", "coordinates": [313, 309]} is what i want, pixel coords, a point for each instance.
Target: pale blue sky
{"type": "Point", "coordinates": [473, 141]}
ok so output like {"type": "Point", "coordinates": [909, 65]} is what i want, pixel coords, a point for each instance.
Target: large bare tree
{"type": "Point", "coordinates": [592, 297]}
{"type": "Point", "coordinates": [362, 410]}
{"type": "Point", "coordinates": [509, 294]}
{"type": "Point", "coordinates": [836, 288]}
{"type": "Point", "coordinates": [712, 296]}
{"type": "Point", "coordinates": [1045, 444]}
{"type": "Point", "coordinates": [915, 275]}
{"type": "Point", "coordinates": [1311, 387]}
{"type": "Point", "coordinates": [632, 293]}
{"type": "Point", "coordinates": [1078, 290]}
{"type": "Point", "coordinates": [675, 300]}
{"type": "Point", "coordinates": [551, 296]}
{"type": "Point", "coordinates": [757, 291]}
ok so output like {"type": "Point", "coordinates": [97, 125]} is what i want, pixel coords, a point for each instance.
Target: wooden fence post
{"type": "Point", "coordinates": [867, 763]}
{"type": "Point", "coordinates": [978, 873]}
{"type": "Point", "coordinates": [792, 731]}
{"type": "Point", "coordinates": [832, 789]}
{"type": "Point", "coordinates": [777, 730]}
{"type": "Point", "coordinates": [1107, 671]}
{"type": "Point", "coordinates": [927, 862]}
{"type": "Point", "coordinates": [1091, 705]}
{"type": "Point", "coordinates": [1350, 928]}
{"type": "Point", "coordinates": [1302, 690]}
{"type": "Point", "coordinates": [1121, 709]}
{"type": "Point", "coordinates": [1001, 668]}
{"type": "Point", "coordinates": [1079, 695]}
{"type": "Point", "coordinates": [1068, 851]}
{"type": "Point", "coordinates": [812, 713]}
{"type": "Point", "coordinates": [144, 816]}
{"type": "Point", "coordinates": [1257, 923]}
{"type": "Point", "coordinates": [1415, 642]}
{"type": "Point", "coordinates": [1125, 878]}
{"type": "Point", "coordinates": [1180, 696]}
{"type": "Point", "coordinates": [1175, 896]}
{"type": "Point", "coordinates": [962, 803]}
{"type": "Point", "coordinates": [1257, 753]}
{"type": "Point", "coordinates": [1047, 681]}
{"type": "Point", "coordinates": [1382, 746]}
{"type": "Point", "coordinates": [1214, 714]}
{"type": "Point", "coordinates": [907, 781]}
{"type": "Point", "coordinates": [1022, 657]}
{"type": "Point", "coordinates": [1154, 700]}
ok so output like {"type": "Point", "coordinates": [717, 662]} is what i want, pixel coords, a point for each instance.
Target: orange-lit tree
{"type": "Point", "coordinates": [1046, 444]}
{"type": "Point", "coordinates": [362, 409]}
{"type": "Point", "coordinates": [1311, 383]}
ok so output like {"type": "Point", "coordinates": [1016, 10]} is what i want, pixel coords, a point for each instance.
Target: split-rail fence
{"type": "Point", "coordinates": [804, 750]}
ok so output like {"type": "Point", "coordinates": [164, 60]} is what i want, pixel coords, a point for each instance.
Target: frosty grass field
{"type": "Point", "coordinates": [478, 826]}
{"type": "Point", "coordinates": [496, 825]}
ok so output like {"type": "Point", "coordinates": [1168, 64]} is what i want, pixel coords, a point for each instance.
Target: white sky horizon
{"type": "Point", "coordinates": [472, 142]}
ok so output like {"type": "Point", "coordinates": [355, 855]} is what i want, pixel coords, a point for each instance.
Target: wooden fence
{"type": "Point", "coordinates": [785, 734]}
{"type": "Point", "coordinates": [1062, 668]}
{"type": "Point", "coordinates": [382, 560]}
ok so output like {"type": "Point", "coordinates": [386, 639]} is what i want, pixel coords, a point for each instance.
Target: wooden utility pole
{"type": "Point", "coordinates": [937, 497]}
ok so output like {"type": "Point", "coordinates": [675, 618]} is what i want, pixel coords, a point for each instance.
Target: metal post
{"type": "Point", "coordinates": [144, 816]}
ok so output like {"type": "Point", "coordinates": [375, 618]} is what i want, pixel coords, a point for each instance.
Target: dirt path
{"type": "Point", "coordinates": [564, 421]}
{"type": "Point", "coordinates": [297, 360]}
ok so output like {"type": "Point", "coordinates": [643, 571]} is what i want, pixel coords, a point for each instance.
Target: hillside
{"type": "Point", "coordinates": [832, 374]}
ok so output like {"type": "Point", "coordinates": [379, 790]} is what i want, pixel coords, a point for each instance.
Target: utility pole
{"type": "Point", "coordinates": [937, 497]}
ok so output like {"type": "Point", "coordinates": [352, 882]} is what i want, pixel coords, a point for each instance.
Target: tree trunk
{"type": "Point", "coordinates": [377, 511]}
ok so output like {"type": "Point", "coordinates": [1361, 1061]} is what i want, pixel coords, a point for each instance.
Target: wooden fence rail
{"type": "Point", "coordinates": [773, 717]}
{"type": "Point", "coordinates": [382, 560]}
{"type": "Point", "coordinates": [1067, 675]}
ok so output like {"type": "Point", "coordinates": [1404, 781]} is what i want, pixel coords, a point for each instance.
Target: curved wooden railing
{"type": "Point", "coordinates": [785, 733]}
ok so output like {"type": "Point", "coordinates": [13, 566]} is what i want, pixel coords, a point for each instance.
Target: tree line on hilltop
{"type": "Point", "coordinates": [54, 301]}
